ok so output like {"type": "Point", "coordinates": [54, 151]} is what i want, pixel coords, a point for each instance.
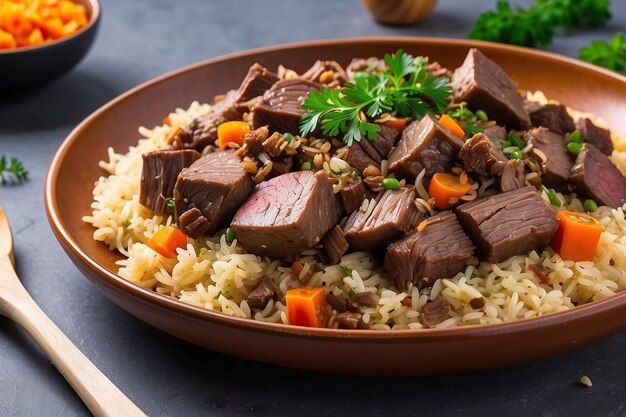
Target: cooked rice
{"type": "Point", "coordinates": [217, 276]}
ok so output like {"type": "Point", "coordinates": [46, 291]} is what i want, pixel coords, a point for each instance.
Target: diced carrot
{"type": "Point", "coordinates": [396, 123]}
{"type": "Point", "coordinates": [444, 186]}
{"type": "Point", "coordinates": [450, 124]}
{"type": "Point", "coordinates": [307, 307]}
{"type": "Point", "coordinates": [54, 28]}
{"type": "Point", "coordinates": [297, 267]}
{"type": "Point", "coordinates": [233, 131]}
{"type": "Point", "coordinates": [166, 240]}
{"type": "Point", "coordinates": [7, 40]}
{"type": "Point", "coordinates": [167, 121]}
{"type": "Point", "coordinates": [35, 37]}
{"type": "Point", "coordinates": [577, 236]}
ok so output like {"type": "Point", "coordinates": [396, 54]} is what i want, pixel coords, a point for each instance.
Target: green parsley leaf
{"type": "Point", "coordinates": [609, 55]}
{"type": "Point", "coordinates": [12, 171]}
{"type": "Point", "coordinates": [347, 271]}
{"type": "Point", "coordinates": [219, 294]}
{"type": "Point", "coordinates": [571, 14]}
{"type": "Point", "coordinates": [405, 88]}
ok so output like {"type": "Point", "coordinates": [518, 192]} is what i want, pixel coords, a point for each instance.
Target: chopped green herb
{"type": "Point", "coordinates": [405, 87]}
{"type": "Point", "coordinates": [574, 147]}
{"type": "Point", "coordinates": [126, 223]}
{"type": "Point", "coordinates": [516, 140]}
{"type": "Point", "coordinates": [590, 206]}
{"type": "Point", "coordinates": [169, 202]}
{"type": "Point", "coordinates": [306, 166]}
{"type": "Point", "coordinates": [390, 184]}
{"type": "Point", "coordinates": [467, 119]}
{"type": "Point", "coordinates": [12, 171]}
{"type": "Point", "coordinates": [554, 199]}
{"type": "Point", "coordinates": [482, 115]}
{"type": "Point", "coordinates": [230, 235]}
{"type": "Point", "coordinates": [351, 293]}
{"type": "Point", "coordinates": [515, 155]}
{"type": "Point", "coordinates": [540, 263]}
{"type": "Point", "coordinates": [288, 137]}
{"type": "Point", "coordinates": [347, 271]}
{"type": "Point", "coordinates": [218, 295]}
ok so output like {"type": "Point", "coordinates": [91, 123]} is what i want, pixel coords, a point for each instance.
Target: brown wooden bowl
{"type": "Point", "coordinates": [31, 66]}
{"type": "Point", "coordinates": [68, 194]}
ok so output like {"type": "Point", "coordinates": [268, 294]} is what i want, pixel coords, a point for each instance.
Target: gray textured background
{"type": "Point", "coordinates": [138, 40]}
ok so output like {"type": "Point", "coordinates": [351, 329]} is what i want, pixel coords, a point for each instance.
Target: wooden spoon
{"type": "Point", "coordinates": [96, 390]}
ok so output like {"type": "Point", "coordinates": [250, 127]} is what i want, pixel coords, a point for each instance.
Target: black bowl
{"type": "Point", "coordinates": [28, 67]}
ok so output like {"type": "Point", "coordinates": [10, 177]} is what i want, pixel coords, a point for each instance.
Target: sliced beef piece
{"type": "Point", "coordinates": [279, 108]}
{"type": "Point", "coordinates": [365, 299]}
{"type": "Point", "coordinates": [262, 294]}
{"type": "Point", "coordinates": [353, 195]}
{"type": "Point", "coordinates": [326, 72]}
{"type": "Point", "coordinates": [158, 176]}
{"type": "Point", "coordinates": [287, 214]}
{"type": "Point", "coordinates": [338, 302]}
{"type": "Point", "coordinates": [482, 84]}
{"type": "Point", "coordinates": [596, 177]}
{"type": "Point", "coordinates": [554, 117]}
{"type": "Point", "coordinates": [348, 320]}
{"type": "Point", "coordinates": [215, 186]}
{"type": "Point", "coordinates": [425, 144]}
{"type": "Point", "coordinates": [335, 245]}
{"type": "Point", "coordinates": [597, 136]}
{"type": "Point", "coordinates": [202, 131]}
{"type": "Point", "coordinates": [434, 313]}
{"type": "Point", "coordinates": [508, 224]}
{"type": "Point", "coordinates": [482, 156]}
{"type": "Point", "coordinates": [367, 152]}
{"type": "Point", "coordinates": [256, 82]}
{"type": "Point", "coordinates": [512, 176]}
{"type": "Point", "coordinates": [387, 218]}
{"type": "Point", "coordinates": [495, 132]}
{"type": "Point", "coordinates": [438, 248]}
{"type": "Point", "coordinates": [280, 166]}
{"type": "Point", "coordinates": [555, 169]}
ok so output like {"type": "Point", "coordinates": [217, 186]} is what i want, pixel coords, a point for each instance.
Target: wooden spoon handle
{"type": "Point", "coordinates": [98, 393]}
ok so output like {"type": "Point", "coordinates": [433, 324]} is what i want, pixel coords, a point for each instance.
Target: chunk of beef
{"type": "Point", "coordinates": [353, 194]}
{"type": "Point", "coordinates": [337, 302]}
{"type": "Point", "coordinates": [425, 144]}
{"type": "Point", "coordinates": [326, 72]}
{"type": "Point", "coordinates": [202, 131]}
{"type": "Point", "coordinates": [335, 245]}
{"type": "Point", "coordinates": [482, 84]}
{"type": "Point", "coordinates": [595, 176]}
{"type": "Point", "coordinates": [554, 117]}
{"type": "Point", "coordinates": [365, 299]}
{"type": "Point", "coordinates": [495, 132]}
{"type": "Point", "coordinates": [438, 248]}
{"type": "Point", "coordinates": [366, 152]}
{"type": "Point", "coordinates": [434, 313]}
{"type": "Point", "coordinates": [159, 174]}
{"type": "Point", "coordinates": [262, 294]}
{"type": "Point", "coordinates": [256, 82]}
{"type": "Point", "coordinates": [508, 224]}
{"type": "Point", "coordinates": [215, 185]}
{"type": "Point", "coordinates": [387, 218]}
{"type": "Point", "coordinates": [279, 108]}
{"type": "Point", "coordinates": [597, 136]}
{"type": "Point", "coordinates": [556, 162]}
{"type": "Point", "coordinates": [287, 214]}
{"type": "Point", "coordinates": [512, 176]}
{"type": "Point", "coordinates": [482, 156]}
{"type": "Point", "coordinates": [253, 142]}
{"type": "Point", "coordinates": [348, 320]}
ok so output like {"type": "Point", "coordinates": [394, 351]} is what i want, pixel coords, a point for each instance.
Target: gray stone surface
{"type": "Point", "coordinates": [141, 39]}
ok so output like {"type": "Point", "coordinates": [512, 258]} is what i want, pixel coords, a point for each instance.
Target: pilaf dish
{"type": "Point", "coordinates": [390, 194]}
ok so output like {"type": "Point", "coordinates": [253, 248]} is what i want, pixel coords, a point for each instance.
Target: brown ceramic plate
{"type": "Point", "coordinates": [75, 168]}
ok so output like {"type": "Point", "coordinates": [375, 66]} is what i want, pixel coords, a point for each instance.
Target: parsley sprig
{"type": "Point", "coordinates": [467, 119]}
{"type": "Point", "coordinates": [611, 55]}
{"type": "Point", "coordinates": [404, 87]}
{"type": "Point", "coordinates": [12, 170]}
{"type": "Point", "coordinates": [536, 25]}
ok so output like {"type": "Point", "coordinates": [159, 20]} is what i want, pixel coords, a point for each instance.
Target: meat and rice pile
{"type": "Point", "coordinates": [392, 194]}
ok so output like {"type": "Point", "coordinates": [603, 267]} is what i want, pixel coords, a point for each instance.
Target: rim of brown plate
{"type": "Point", "coordinates": [198, 313]}
{"type": "Point", "coordinates": [93, 18]}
